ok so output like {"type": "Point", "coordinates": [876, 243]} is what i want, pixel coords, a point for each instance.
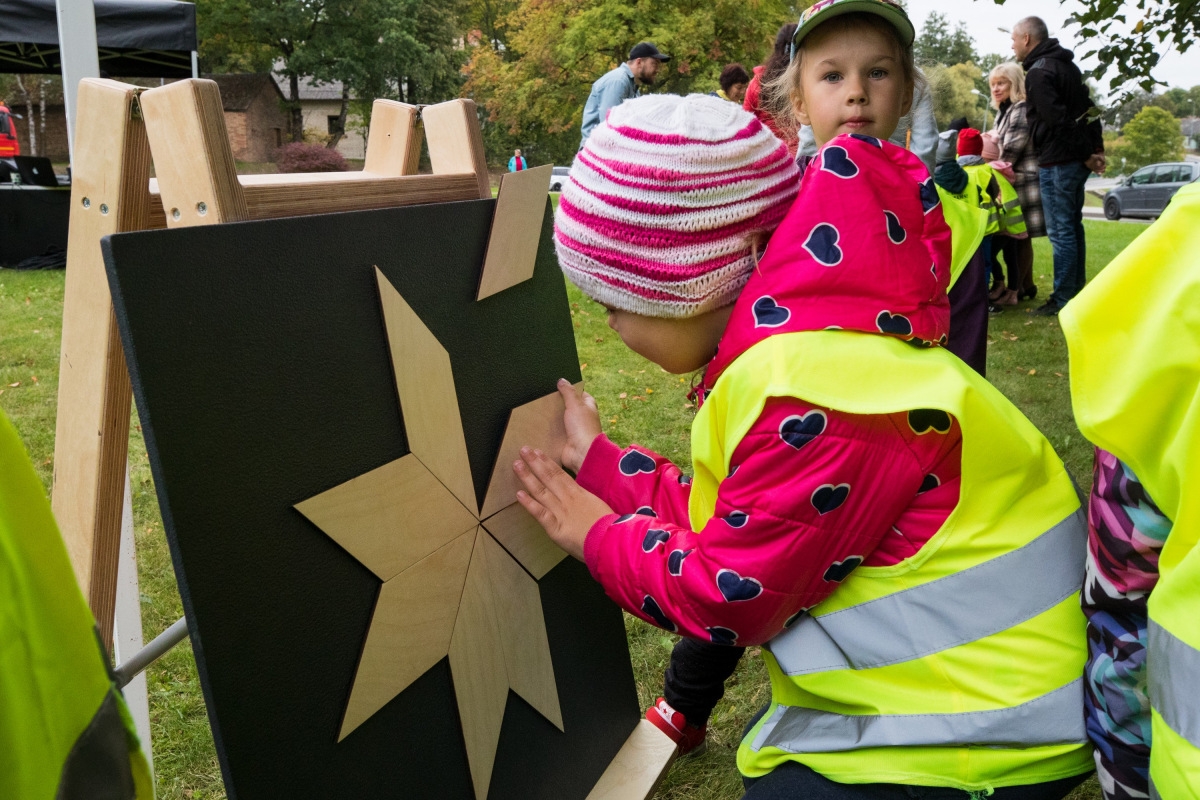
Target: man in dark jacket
{"type": "Point", "coordinates": [1068, 138]}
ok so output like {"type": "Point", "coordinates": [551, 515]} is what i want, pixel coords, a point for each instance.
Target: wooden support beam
{"type": "Point", "coordinates": [394, 141]}
{"type": "Point", "coordinates": [456, 141]}
{"type": "Point", "coordinates": [197, 177]}
{"type": "Point", "coordinates": [639, 767]}
{"type": "Point", "coordinates": [108, 195]}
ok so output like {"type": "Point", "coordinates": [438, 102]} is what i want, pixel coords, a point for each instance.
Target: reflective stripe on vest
{"type": "Point", "coordinates": [944, 613]}
{"type": "Point", "coordinates": [1053, 718]}
{"type": "Point", "coordinates": [1174, 672]}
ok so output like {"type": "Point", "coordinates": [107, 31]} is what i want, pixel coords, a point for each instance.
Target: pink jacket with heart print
{"type": "Point", "coordinates": [774, 546]}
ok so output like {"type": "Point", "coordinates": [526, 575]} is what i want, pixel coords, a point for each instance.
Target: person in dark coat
{"type": "Point", "coordinates": [1067, 135]}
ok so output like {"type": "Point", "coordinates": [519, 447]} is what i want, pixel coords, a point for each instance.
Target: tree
{"type": "Point", "coordinates": [937, 44]}
{"type": "Point", "coordinates": [376, 48]}
{"type": "Point", "coordinates": [1130, 38]}
{"type": "Point", "coordinates": [952, 96]}
{"type": "Point", "coordinates": [534, 88]}
{"type": "Point", "coordinates": [1153, 135]}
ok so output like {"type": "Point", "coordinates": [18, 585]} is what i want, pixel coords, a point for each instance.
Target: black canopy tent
{"type": "Point", "coordinates": [135, 38]}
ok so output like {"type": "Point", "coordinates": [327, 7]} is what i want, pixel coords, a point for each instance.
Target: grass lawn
{"type": "Point", "coordinates": [1027, 360]}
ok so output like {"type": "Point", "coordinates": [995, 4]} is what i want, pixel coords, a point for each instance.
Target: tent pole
{"type": "Point", "coordinates": [77, 49]}
{"type": "Point", "coordinates": [195, 64]}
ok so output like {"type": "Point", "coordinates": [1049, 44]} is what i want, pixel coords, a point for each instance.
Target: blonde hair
{"type": "Point", "coordinates": [785, 91]}
{"type": "Point", "coordinates": [1011, 72]}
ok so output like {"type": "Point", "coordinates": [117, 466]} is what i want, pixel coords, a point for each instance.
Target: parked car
{"type": "Point", "coordinates": [9, 146]}
{"type": "Point", "coordinates": [559, 177]}
{"type": "Point", "coordinates": [1146, 192]}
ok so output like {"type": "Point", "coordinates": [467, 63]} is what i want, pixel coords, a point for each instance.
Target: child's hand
{"type": "Point", "coordinates": [582, 422]}
{"type": "Point", "coordinates": [565, 509]}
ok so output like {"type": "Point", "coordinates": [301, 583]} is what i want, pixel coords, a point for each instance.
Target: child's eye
{"type": "Point", "coordinates": [879, 73]}
{"type": "Point", "coordinates": [831, 77]}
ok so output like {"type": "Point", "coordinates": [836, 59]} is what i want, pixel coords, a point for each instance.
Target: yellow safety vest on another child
{"type": "Point", "coordinates": [1134, 340]}
{"type": "Point", "coordinates": [65, 733]}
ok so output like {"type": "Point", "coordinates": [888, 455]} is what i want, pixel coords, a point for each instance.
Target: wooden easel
{"type": "Point", "coordinates": [182, 124]}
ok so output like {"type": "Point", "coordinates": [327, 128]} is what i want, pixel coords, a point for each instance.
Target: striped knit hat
{"type": "Point", "coordinates": [665, 201]}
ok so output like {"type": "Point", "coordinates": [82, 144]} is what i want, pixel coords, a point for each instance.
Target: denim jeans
{"type": "Point", "coordinates": [1062, 201]}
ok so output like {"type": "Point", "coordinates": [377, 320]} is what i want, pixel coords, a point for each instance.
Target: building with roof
{"type": "Point", "coordinates": [255, 115]}
{"type": "Point", "coordinates": [321, 106]}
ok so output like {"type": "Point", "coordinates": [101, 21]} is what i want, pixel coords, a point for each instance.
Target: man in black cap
{"type": "Point", "coordinates": [619, 84]}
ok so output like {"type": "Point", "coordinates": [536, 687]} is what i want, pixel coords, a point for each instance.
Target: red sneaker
{"type": "Point", "coordinates": [690, 738]}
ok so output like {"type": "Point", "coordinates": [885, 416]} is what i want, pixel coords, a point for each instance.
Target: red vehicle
{"type": "Point", "coordinates": [9, 146]}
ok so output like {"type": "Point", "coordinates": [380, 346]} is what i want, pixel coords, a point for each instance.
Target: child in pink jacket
{"type": "Point", "coordinates": [664, 225]}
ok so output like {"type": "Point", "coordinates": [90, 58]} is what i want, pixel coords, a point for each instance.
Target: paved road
{"type": "Point", "coordinates": [1090, 212]}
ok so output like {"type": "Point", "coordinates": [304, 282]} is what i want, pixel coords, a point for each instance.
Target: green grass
{"type": "Point", "coordinates": [1027, 360]}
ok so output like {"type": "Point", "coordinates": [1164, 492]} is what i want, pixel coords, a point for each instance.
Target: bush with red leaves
{"type": "Point", "coordinates": [301, 157]}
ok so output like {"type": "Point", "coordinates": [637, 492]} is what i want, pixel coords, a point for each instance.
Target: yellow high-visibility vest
{"type": "Point", "coordinates": [961, 666]}
{"type": "Point", "coordinates": [1134, 340]}
{"type": "Point", "coordinates": [65, 733]}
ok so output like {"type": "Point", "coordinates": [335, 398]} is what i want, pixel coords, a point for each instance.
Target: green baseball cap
{"type": "Point", "coordinates": [825, 10]}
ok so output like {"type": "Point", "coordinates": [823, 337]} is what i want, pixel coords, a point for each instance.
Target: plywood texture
{"type": "Point", "coordinates": [538, 424]}
{"type": "Point", "coordinates": [391, 517]}
{"type": "Point", "coordinates": [261, 370]}
{"type": "Point", "coordinates": [639, 767]}
{"type": "Point", "coordinates": [456, 141]}
{"type": "Point", "coordinates": [524, 539]}
{"type": "Point", "coordinates": [193, 159]}
{"type": "Point", "coordinates": [513, 243]}
{"type": "Point", "coordinates": [394, 141]}
{"type": "Point", "coordinates": [91, 443]}
{"type": "Point", "coordinates": [398, 652]}
{"type": "Point", "coordinates": [428, 399]}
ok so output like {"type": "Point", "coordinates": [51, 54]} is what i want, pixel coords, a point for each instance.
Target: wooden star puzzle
{"type": "Point", "coordinates": [331, 406]}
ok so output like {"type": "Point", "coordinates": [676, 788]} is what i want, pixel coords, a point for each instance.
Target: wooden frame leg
{"type": "Point", "coordinates": [109, 194]}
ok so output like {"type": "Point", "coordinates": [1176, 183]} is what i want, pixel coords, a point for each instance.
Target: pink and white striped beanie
{"type": "Point", "coordinates": [665, 201]}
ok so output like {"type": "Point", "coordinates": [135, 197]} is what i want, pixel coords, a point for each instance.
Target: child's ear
{"type": "Point", "coordinates": [801, 113]}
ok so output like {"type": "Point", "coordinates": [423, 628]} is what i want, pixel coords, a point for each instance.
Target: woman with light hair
{"type": "Point", "coordinates": [1007, 82]}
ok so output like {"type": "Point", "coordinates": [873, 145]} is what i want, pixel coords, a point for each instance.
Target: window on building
{"type": "Point", "coordinates": [278, 136]}
{"type": "Point", "coordinates": [336, 126]}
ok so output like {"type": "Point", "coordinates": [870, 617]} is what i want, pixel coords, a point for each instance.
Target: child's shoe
{"type": "Point", "coordinates": [690, 738]}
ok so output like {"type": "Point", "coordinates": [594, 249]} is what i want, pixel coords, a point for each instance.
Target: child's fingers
{"type": "Point", "coordinates": [570, 394]}
{"type": "Point", "coordinates": [549, 473]}
{"type": "Point", "coordinates": [539, 512]}
{"type": "Point", "coordinates": [535, 487]}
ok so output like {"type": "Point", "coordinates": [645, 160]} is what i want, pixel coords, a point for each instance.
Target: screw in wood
{"type": "Point", "coordinates": [201, 208]}
{"type": "Point", "coordinates": [104, 208]}
{"type": "Point", "coordinates": [87, 202]}
{"type": "Point", "coordinates": [175, 213]}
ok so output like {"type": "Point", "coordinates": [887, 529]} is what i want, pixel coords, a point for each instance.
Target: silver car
{"type": "Point", "coordinates": [1146, 192]}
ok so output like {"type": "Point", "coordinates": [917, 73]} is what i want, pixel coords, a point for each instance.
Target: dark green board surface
{"type": "Point", "coordinates": [262, 377]}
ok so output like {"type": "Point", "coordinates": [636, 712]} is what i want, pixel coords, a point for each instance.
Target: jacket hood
{"type": "Point", "coordinates": [1047, 49]}
{"type": "Point", "coordinates": [863, 248]}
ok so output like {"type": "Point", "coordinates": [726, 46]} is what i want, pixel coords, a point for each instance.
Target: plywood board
{"type": "Point", "coordinates": [108, 195]}
{"type": "Point", "coordinates": [640, 766]}
{"type": "Point", "coordinates": [397, 652]}
{"type": "Point", "coordinates": [525, 648]}
{"type": "Point", "coordinates": [284, 316]}
{"type": "Point", "coordinates": [537, 424]}
{"type": "Point", "coordinates": [525, 539]}
{"type": "Point", "coordinates": [456, 142]}
{"type": "Point", "coordinates": [513, 243]}
{"type": "Point", "coordinates": [391, 517]}
{"type": "Point", "coordinates": [477, 663]}
{"type": "Point", "coordinates": [425, 383]}
{"type": "Point", "coordinates": [394, 140]}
